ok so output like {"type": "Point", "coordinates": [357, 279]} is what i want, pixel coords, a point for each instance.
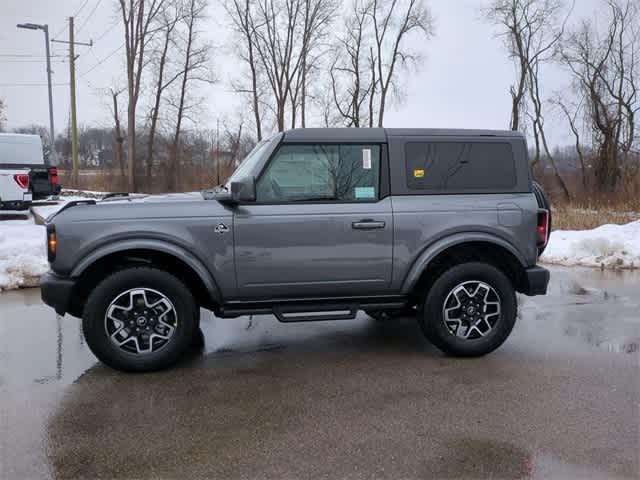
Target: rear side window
{"type": "Point", "coordinates": [441, 167]}
{"type": "Point", "coordinates": [340, 173]}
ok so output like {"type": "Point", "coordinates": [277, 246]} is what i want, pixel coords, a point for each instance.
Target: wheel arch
{"type": "Point", "coordinates": [117, 256]}
{"type": "Point", "coordinates": [465, 248]}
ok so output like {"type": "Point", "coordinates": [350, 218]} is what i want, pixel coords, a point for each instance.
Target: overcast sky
{"type": "Point", "coordinates": [463, 81]}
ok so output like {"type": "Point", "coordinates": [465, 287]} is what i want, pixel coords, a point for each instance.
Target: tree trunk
{"type": "Point", "coordinates": [156, 106]}
{"type": "Point", "coordinates": [118, 140]}
{"type": "Point", "coordinates": [131, 145]}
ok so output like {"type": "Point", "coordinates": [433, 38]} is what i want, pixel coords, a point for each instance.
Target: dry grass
{"type": "Point", "coordinates": [571, 217]}
{"type": "Point", "coordinates": [189, 179]}
{"type": "Point", "coordinates": [588, 208]}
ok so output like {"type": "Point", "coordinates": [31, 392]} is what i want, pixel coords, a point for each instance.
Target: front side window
{"type": "Point", "coordinates": [319, 172]}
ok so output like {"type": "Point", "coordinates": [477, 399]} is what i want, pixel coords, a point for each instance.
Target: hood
{"type": "Point", "coordinates": [144, 207]}
{"type": "Point", "coordinates": [144, 198]}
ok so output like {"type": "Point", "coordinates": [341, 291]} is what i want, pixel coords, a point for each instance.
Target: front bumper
{"type": "Point", "coordinates": [56, 291]}
{"type": "Point", "coordinates": [536, 281]}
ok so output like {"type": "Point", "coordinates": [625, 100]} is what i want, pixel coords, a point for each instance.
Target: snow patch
{"type": "Point", "coordinates": [23, 256]}
{"type": "Point", "coordinates": [611, 246]}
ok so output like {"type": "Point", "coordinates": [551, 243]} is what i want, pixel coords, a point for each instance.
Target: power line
{"type": "Point", "coordinates": [104, 34]}
{"type": "Point", "coordinates": [20, 60]}
{"type": "Point", "coordinates": [101, 62]}
{"type": "Point", "coordinates": [32, 84]}
{"type": "Point", "coordinates": [89, 16]}
{"type": "Point", "coordinates": [77, 12]}
{"type": "Point", "coordinates": [80, 9]}
{"type": "Point", "coordinates": [24, 55]}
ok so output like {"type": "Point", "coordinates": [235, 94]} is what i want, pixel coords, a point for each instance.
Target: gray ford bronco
{"type": "Point", "coordinates": [315, 224]}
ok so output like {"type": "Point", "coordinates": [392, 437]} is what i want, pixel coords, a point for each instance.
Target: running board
{"type": "Point", "coordinates": [311, 310]}
{"type": "Point", "coordinates": [315, 313]}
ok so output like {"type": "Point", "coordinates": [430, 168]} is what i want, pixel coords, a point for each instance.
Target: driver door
{"type": "Point", "coordinates": [319, 226]}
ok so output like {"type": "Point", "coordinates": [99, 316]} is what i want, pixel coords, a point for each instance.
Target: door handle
{"type": "Point", "coordinates": [367, 224]}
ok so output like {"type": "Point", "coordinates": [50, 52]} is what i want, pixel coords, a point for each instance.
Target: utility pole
{"type": "Point", "coordinates": [45, 29]}
{"type": "Point", "coordinates": [72, 87]}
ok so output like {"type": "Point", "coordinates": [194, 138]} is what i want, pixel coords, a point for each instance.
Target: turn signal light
{"type": "Point", "coordinates": [52, 243]}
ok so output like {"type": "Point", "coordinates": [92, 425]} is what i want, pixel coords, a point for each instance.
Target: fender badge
{"type": "Point", "coordinates": [221, 228]}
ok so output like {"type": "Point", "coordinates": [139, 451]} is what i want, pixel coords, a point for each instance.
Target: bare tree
{"type": "Point", "coordinates": [392, 23]}
{"type": "Point", "coordinates": [351, 84]}
{"type": "Point", "coordinates": [605, 72]}
{"type": "Point", "coordinates": [118, 139]}
{"type": "Point", "coordinates": [318, 15]}
{"type": "Point", "coordinates": [243, 23]}
{"type": "Point", "coordinates": [375, 42]}
{"type": "Point", "coordinates": [532, 30]}
{"type": "Point", "coordinates": [195, 68]}
{"type": "Point", "coordinates": [282, 39]}
{"type": "Point", "coordinates": [168, 19]}
{"type": "Point", "coordinates": [571, 113]}
{"type": "Point", "coordinates": [137, 19]}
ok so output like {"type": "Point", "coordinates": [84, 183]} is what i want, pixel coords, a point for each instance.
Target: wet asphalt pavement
{"type": "Point", "coordinates": [352, 399]}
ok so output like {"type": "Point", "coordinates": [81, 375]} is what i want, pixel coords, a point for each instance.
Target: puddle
{"type": "Point", "coordinates": [600, 309]}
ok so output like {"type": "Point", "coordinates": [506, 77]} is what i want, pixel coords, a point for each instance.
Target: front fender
{"type": "Point", "coordinates": [433, 250]}
{"type": "Point", "coordinates": [151, 244]}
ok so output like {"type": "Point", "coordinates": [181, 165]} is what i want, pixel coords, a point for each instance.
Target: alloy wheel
{"type": "Point", "coordinates": [471, 310]}
{"type": "Point", "coordinates": [140, 321]}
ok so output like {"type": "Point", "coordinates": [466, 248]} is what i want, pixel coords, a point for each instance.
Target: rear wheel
{"type": "Point", "coordinates": [470, 310]}
{"type": "Point", "coordinates": [140, 319]}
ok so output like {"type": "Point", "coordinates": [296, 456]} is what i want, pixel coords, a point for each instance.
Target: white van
{"type": "Point", "coordinates": [19, 151]}
{"type": "Point", "coordinates": [14, 189]}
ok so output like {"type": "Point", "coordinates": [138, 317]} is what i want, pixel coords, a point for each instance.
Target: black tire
{"type": "Point", "coordinates": [95, 332]}
{"type": "Point", "coordinates": [433, 323]}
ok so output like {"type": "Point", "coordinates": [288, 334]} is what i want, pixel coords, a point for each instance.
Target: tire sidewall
{"type": "Point", "coordinates": [93, 319]}
{"type": "Point", "coordinates": [433, 323]}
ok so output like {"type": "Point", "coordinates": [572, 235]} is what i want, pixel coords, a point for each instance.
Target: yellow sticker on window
{"type": "Point", "coordinates": [418, 173]}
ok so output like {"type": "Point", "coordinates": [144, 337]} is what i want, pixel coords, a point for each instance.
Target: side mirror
{"type": "Point", "coordinates": [244, 190]}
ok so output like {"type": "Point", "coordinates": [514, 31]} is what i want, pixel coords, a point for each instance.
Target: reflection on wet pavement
{"type": "Point", "coordinates": [335, 399]}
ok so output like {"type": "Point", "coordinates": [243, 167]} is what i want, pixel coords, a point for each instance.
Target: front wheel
{"type": "Point", "coordinates": [470, 310]}
{"type": "Point", "coordinates": [140, 319]}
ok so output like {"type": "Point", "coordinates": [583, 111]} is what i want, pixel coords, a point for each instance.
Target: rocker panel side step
{"type": "Point", "coordinates": [311, 310]}
{"type": "Point", "coordinates": [314, 313]}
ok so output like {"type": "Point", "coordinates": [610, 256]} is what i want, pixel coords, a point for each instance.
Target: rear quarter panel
{"type": "Point", "coordinates": [422, 221]}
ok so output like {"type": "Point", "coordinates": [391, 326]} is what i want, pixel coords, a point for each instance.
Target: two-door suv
{"type": "Point", "coordinates": [315, 224]}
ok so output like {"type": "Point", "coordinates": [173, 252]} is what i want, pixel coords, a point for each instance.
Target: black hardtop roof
{"type": "Point", "coordinates": [380, 135]}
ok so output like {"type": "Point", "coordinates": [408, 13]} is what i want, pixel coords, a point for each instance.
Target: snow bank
{"type": "Point", "coordinates": [611, 246]}
{"type": "Point", "coordinates": [23, 256]}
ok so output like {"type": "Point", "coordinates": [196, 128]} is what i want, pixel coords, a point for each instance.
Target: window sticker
{"type": "Point", "coordinates": [366, 158]}
{"type": "Point", "coordinates": [418, 173]}
{"type": "Point", "coordinates": [365, 192]}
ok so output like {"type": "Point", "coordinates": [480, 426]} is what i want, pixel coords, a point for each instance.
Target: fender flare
{"type": "Point", "coordinates": [161, 246]}
{"type": "Point", "coordinates": [439, 246]}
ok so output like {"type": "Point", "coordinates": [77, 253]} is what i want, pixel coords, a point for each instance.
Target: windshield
{"type": "Point", "coordinates": [247, 165]}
